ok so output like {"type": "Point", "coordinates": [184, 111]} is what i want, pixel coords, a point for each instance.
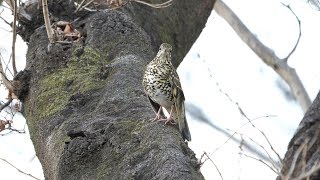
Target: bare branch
{"type": "Point", "coordinates": [270, 159]}
{"type": "Point", "coordinates": [85, 6]}
{"type": "Point", "coordinates": [10, 4]}
{"type": "Point", "coordinates": [314, 4]}
{"type": "Point", "coordinates": [299, 36]}
{"type": "Point", "coordinates": [198, 114]}
{"type": "Point", "coordinates": [266, 54]}
{"type": "Point", "coordinates": [261, 132]}
{"type": "Point", "coordinates": [214, 164]}
{"type": "Point", "coordinates": [4, 19]}
{"type": "Point", "coordinates": [4, 105]}
{"type": "Point", "coordinates": [79, 6]}
{"type": "Point", "coordinates": [162, 5]}
{"type": "Point", "coordinates": [4, 78]}
{"type": "Point", "coordinates": [47, 21]}
{"type": "Point", "coordinates": [249, 121]}
{"type": "Point", "coordinates": [275, 171]}
{"type": "Point", "coordinates": [19, 169]}
{"type": "Point", "coordinates": [14, 37]}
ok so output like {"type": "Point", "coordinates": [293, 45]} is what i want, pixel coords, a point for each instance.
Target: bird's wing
{"type": "Point", "coordinates": [178, 98]}
{"type": "Point", "coordinates": [176, 82]}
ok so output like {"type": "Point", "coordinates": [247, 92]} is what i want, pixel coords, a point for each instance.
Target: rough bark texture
{"type": "Point", "coordinates": [305, 145]}
{"type": "Point", "coordinates": [86, 109]}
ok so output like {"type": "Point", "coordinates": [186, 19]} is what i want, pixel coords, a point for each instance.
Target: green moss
{"type": "Point", "coordinates": [80, 76]}
{"type": "Point", "coordinates": [103, 171]}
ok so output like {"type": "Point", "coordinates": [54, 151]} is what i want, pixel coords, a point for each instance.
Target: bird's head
{"type": "Point", "coordinates": [165, 47]}
{"type": "Point", "coordinates": [164, 53]}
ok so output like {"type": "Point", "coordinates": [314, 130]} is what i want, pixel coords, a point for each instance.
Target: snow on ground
{"type": "Point", "coordinates": [219, 63]}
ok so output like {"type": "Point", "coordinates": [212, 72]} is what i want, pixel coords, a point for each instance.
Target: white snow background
{"type": "Point", "coordinates": [219, 63]}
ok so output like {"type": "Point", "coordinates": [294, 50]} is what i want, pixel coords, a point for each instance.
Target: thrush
{"type": "Point", "coordinates": [162, 86]}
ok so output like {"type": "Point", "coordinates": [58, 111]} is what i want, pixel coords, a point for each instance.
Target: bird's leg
{"type": "Point", "coordinates": [169, 120]}
{"type": "Point", "coordinates": [158, 116]}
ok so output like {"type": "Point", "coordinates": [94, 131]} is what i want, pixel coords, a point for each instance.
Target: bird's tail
{"type": "Point", "coordinates": [181, 116]}
{"type": "Point", "coordinates": [183, 125]}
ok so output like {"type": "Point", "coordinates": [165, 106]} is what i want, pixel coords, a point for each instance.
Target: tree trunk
{"type": "Point", "coordinates": [302, 159]}
{"type": "Point", "coordinates": [86, 109]}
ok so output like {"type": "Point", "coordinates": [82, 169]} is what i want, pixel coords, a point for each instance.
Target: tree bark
{"type": "Point", "coordinates": [86, 110]}
{"type": "Point", "coordinates": [302, 158]}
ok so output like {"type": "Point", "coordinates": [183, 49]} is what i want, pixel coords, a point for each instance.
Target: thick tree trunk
{"type": "Point", "coordinates": [86, 109]}
{"type": "Point", "coordinates": [302, 159]}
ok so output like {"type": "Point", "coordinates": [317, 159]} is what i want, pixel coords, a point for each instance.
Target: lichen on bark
{"type": "Point", "coordinates": [80, 75]}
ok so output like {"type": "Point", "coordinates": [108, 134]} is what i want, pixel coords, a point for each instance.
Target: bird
{"type": "Point", "coordinates": [163, 88]}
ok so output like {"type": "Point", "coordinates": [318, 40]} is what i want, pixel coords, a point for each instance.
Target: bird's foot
{"type": "Point", "coordinates": [158, 115]}
{"type": "Point", "coordinates": [157, 118]}
{"type": "Point", "coordinates": [168, 120]}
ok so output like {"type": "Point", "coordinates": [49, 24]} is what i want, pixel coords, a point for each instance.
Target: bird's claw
{"type": "Point", "coordinates": [169, 121]}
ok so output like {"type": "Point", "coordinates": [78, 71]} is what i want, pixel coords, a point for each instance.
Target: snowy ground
{"type": "Point", "coordinates": [220, 63]}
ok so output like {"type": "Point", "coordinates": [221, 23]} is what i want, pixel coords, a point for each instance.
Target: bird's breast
{"type": "Point", "coordinates": [158, 88]}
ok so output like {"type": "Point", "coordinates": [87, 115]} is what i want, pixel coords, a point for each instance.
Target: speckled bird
{"type": "Point", "coordinates": [162, 86]}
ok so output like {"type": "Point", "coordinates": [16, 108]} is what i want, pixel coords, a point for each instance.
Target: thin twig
{"type": "Point", "coordinates": [10, 4]}
{"type": "Point", "coordinates": [86, 5]}
{"type": "Point", "coordinates": [6, 7]}
{"type": "Point", "coordinates": [7, 66]}
{"type": "Point", "coordinates": [299, 36]}
{"type": "Point", "coordinates": [14, 37]}
{"type": "Point", "coordinates": [243, 114]}
{"type": "Point", "coordinates": [4, 105]}
{"type": "Point", "coordinates": [19, 169]}
{"type": "Point", "coordinates": [4, 19]}
{"type": "Point", "coordinates": [214, 165]}
{"type": "Point", "coordinates": [273, 163]}
{"type": "Point", "coordinates": [270, 159]}
{"type": "Point", "coordinates": [162, 5]}
{"type": "Point", "coordinates": [249, 121]}
{"type": "Point", "coordinates": [4, 78]}
{"type": "Point", "coordinates": [263, 134]}
{"type": "Point", "coordinates": [275, 171]}
{"type": "Point", "coordinates": [85, 8]}
{"type": "Point", "coordinates": [235, 132]}
{"type": "Point", "coordinates": [17, 130]}
{"type": "Point", "coordinates": [314, 4]}
{"type": "Point", "coordinates": [64, 42]}
{"type": "Point", "coordinates": [47, 21]}
{"type": "Point", "coordinates": [79, 6]}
